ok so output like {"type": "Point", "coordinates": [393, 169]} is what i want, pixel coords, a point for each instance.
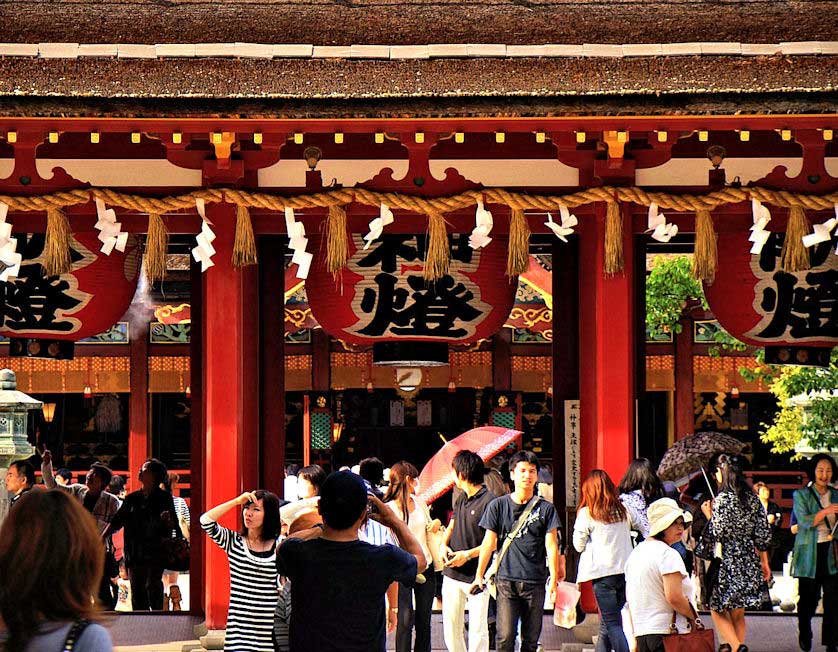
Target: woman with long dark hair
{"type": "Point", "coordinates": [736, 537]}
{"type": "Point", "coordinates": [601, 534]}
{"type": "Point", "coordinates": [813, 563]}
{"type": "Point", "coordinates": [48, 596]}
{"type": "Point", "coordinates": [253, 574]}
{"type": "Point", "coordinates": [401, 498]}
{"type": "Point", "coordinates": [638, 489]}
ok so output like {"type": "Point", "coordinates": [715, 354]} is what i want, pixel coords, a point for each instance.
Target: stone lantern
{"type": "Point", "coordinates": [15, 407]}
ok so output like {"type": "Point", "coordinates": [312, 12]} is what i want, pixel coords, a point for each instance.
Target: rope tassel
{"type": "Point", "coordinates": [439, 256]}
{"type": "Point", "coordinates": [244, 246]}
{"type": "Point", "coordinates": [156, 246]}
{"type": "Point", "coordinates": [337, 246]}
{"type": "Point", "coordinates": [613, 239]}
{"type": "Point", "coordinates": [706, 257]}
{"type": "Point", "coordinates": [518, 253]}
{"type": "Point", "coordinates": [794, 257]}
{"type": "Point", "coordinates": [57, 258]}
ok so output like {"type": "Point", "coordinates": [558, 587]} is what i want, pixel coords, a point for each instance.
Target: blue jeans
{"type": "Point", "coordinates": [610, 592]}
{"type": "Point", "coordinates": [524, 601]}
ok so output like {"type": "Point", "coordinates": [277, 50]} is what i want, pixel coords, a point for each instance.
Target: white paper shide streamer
{"type": "Point", "coordinates": [377, 225]}
{"type": "Point", "coordinates": [822, 232]}
{"type": "Point", "coordinates": [565, 227]}
{"type": "Point", "coordinates": [203, 251]}
{"type": "Point", "coordinates": [110, 231]}
{"type": "Point", "coordinates": [759, 235]}
{"type": "Point", "coordinates": [9, 257]}
{"type": "Point", "coordinates": [483, 224]}
{"type": "Point", "coordinates": [661, 230]}
{"type": "Point", "coordinates": [297, 242]}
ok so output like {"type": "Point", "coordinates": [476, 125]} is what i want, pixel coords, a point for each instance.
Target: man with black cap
{"type": "Point", "coordinates": [338, 582]}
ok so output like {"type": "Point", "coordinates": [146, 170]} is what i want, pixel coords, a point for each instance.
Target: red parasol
{"type": "Point", "coordinates": [437, 477]}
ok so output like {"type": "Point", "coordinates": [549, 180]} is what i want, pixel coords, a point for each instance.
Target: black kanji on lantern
{"type": "Point", "coordinates": [806, 307]}
{"type": "Point", "coordinates": [433, 310]}
{"type": "Point", "coordinates": [410, 248]}
{"type": "Point", "coordinates": [34, 302]}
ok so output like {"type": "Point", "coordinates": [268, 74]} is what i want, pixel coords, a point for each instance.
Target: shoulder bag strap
{"type": "Point", "coordinates": [74, 635]}
{"type": "Point", "coordinates": [829, 525]}
{"type": "Point", "coordinates": [697, 624]}
{"type": "Point", "coordinates": [518, 525]}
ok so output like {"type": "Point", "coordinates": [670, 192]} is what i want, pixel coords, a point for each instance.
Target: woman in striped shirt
{"type": "Point", "coordinates": [253, 575]}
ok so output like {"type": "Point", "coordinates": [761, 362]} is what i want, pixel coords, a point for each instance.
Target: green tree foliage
{"type": "Point", "coordinates": [817, 422]}
{"type": "Point", "coordinates": [670, 287]}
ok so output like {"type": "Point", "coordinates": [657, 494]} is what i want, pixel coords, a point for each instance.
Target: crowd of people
{"type": "Point", "coordinates": [357, 555]}
{"type": "Point", "coordinates": [107, 550]}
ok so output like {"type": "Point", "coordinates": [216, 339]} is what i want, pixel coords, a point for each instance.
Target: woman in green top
{"type": "Point", "coordinates": [814, 563]}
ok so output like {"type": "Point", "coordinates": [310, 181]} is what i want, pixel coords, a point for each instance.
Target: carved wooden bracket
{"type": "Point", "coordinates": [813, 176]}
{"type": "Point", "coordinates": [25, 178]}
{"type": "Point", "coordinates": [419, 180]}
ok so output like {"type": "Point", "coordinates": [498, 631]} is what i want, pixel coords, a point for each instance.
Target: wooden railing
{"type": "Point", "coordinates": [182, 488]}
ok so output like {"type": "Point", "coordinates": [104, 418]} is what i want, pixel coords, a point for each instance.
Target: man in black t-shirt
{"type": "Point", "coordinates": [338, 582]}
{"type": "Point", "coordinates": [461, 549]}
{"type": "Point", "coordinates": [524, 568]}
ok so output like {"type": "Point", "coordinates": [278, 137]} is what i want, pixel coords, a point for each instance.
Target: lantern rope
{"type": "Point", "coordinates": [518, 253]}
{"type": "Point", "coordinates": [336, 200]}
{"type": "Point", "coordinates": [157, 243]}
{"type": "Point", "coordinates": [705, 257]}
{"type": "Point", "coordinates": [794, 256]}
{"type": "Point", "coordinates": [244, 245]}
{"type": "Point", "coordinates": [57, 257]}
{"type": "Point", "coordinates": [337, 245]}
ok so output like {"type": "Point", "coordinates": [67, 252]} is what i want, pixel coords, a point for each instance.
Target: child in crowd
{"type": "Point", "coordinates": [123, 602]}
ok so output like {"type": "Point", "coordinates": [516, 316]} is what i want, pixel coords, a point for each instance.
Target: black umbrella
{"type": "Point", "coordinates": [693, 453]}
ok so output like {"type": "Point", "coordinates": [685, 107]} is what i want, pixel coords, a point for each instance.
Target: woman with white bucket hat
{"type": "Point", "coordinates": [657, 582]}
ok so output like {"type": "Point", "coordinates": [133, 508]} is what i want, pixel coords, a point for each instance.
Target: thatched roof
{"type": "Point", "coordinates": [347, 22]}
{"type": "Point", "coordinates": [656, 57]}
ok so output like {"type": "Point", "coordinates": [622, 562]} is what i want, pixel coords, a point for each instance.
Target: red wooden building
{"type": "Point", "coordinates": [217, 118]}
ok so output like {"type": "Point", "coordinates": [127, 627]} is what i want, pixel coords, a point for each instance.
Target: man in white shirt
{"type": "Point", "coordinates": [656, 577]}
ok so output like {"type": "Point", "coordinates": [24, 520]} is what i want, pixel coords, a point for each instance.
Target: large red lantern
{"type": "Point", "coordinates": [85, 302]}
{"type": "Point", "coordinates": [761, 305]}
{"type": "Point", "coordinates": [381, 294]}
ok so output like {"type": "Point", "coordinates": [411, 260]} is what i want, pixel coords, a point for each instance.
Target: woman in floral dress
{"type": "Point", "coordinates": [737, 535]}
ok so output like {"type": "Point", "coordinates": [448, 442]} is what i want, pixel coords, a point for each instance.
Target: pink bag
{"type": "Point", "coordinates": [564, 611]}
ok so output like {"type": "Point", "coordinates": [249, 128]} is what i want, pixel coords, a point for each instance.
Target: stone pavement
{"type": "Point", "coordinates": [174, 633]}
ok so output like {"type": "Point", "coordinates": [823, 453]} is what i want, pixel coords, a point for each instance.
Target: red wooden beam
{"type": "Point", "coordinates": [287, 127]}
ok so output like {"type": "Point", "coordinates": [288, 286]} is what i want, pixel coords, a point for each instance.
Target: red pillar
{"type": "Point", "coordinates": [566, 368]}
{"type": "Point", "coordinates": [684, 380]}
{"type": "Point", "coordinates": [138, 443]}
{"type": "Point", "coordinates": [607, 340]}
{"type": "Point", "coordinates": [606, 361]}
{"type": "Point", "coordinates": [272, 356]}
{"type": "Point", "coordinates": [230, 397]}
{"type": "Point", "coordinates": [502, 360]}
